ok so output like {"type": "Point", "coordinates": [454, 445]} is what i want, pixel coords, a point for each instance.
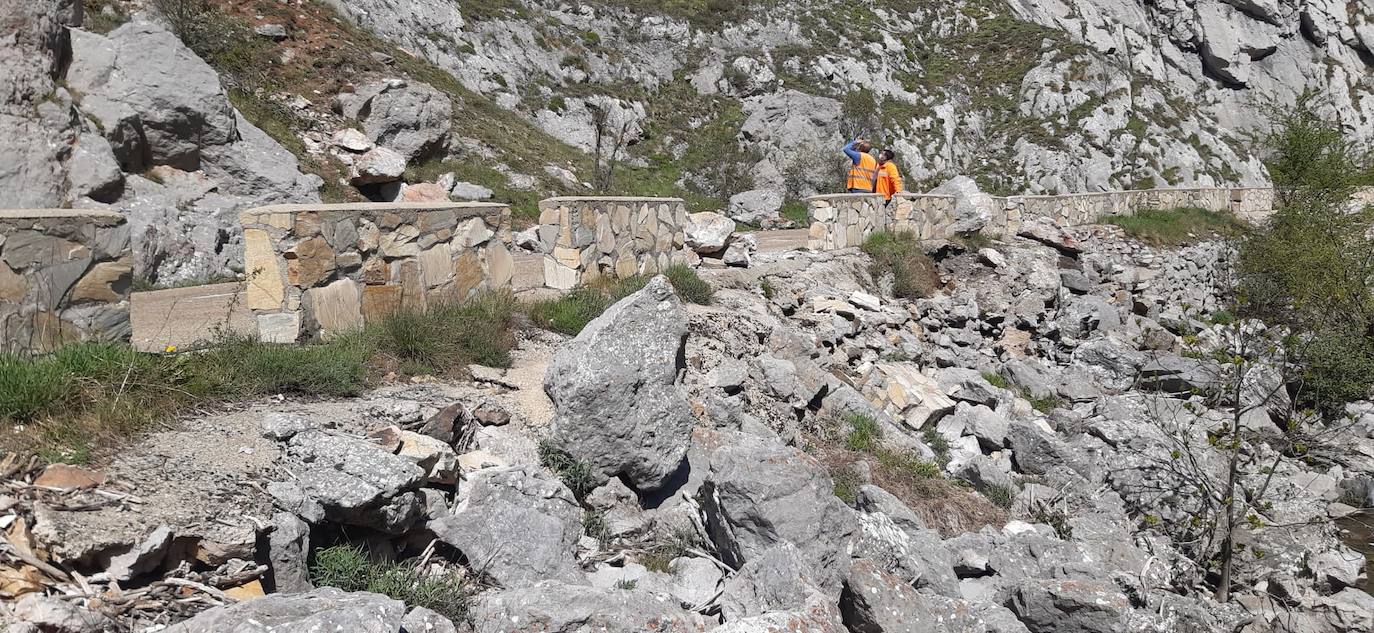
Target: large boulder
{"type": "Point", "coordinates": [157, 102]}
{"type": "Point", "coordinates": [552, 607]}
{"type": "Point", "coordinates": [324, 609]}
{"type": "Point", "coordinates": [875, 601]}
{"type": "Point", "coordinates": [973, 209]}
{"type": "Point", "coordinates": [614, 390]}
{"type": "Point", "coordinates": [708, 232]}
{"type": "Point", "coordinates": [409, 117]}
{"type": "Point", "coordinates": [779, 580]}
{"type": "Point", "coordinates": [1069, 606]}
{"type": "Point", "coordinates": [521, 524]}
{"type": "Point", "coordinates": [36, 133]}
{"type": "Point", "coordinates": [759, 494]}
{"type": "Point", "coordinates": [351, 481]}
{"type": "Point", "coordinates": [755, 206]}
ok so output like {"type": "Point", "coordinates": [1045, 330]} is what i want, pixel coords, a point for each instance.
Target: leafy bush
{"type": "Point", "coordinates": [1308, 269]}
{"type": "Point", "coordinates": [350, 569]}
{"type": "Point", "coordinates": [900, 255]}
{"type": "Point", "coordinates": [1175, 227]}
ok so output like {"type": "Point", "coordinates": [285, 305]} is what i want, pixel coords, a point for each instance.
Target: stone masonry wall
{"type": "Point", "coordinates": [64, 277]}
{"type": "Point", "coordinates": [586, 238]}
{"type": "Point", "coordinates": [844, 220]}
{"type": "Point", "coordinates": [928, 217]}
{"type": "Point", "coordinates": [323, 270]}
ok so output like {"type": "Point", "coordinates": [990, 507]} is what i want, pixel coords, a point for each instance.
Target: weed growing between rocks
{"type": "Point", "coordinates": [900, 256]}
{"type": "Point", "coordinates": [667, 547]}
{"type": "Point", "coordinates": [348, 568]}
{"type": "Point", "coordinates": [945, 505]}
{"type": "Point", "coordinates": [576, 474]}
{"type": "Point", "coordinates": [688, 285]}
{"type": "Point", "coordinates": [1176, 227]}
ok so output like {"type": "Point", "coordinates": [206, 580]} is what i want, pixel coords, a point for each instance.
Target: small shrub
{"type": "Point", "coordinates": [348, 568]}
{"type": "Point", "coordinates": [571, 312]}
{"type": "Point", "coordinates": [627, 584]}
{"type": "Point", "coordinates": [660, 555]}
{"type": "Point", "coordinates": [906, 464]}
{"type": "Point", "coordinates": [864, 433]}
{"type": "Point", "coordinates": [900, 255]}
{"type": "Point", "coordinates": [938, 445]}
{"type": "Point", "coordinates": [767, 288]}
{"type": "Point", "coordinates": [1045, 404]}
{"type": "Point", "coordinates": [1000, 496]}
{"type": "Point", "coordinates": [995, 380]}
{"type": "Point", "coordinates": [594, 525]}
{"type": "Point", "coordinates": [795, 211]}
{"type": "Point", "coordinates": [448, 337]}
{"type": "Point", "coordinates": [577, 475]}
{"type": "Point", "coordinates": [846, 485]}
{"type": "Point", "coordinates": [688, 284]}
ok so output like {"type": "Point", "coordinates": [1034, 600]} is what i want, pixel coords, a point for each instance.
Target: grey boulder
{"type": "Point", "coordinates": [411, 118]}
{"type": "Point", "coordinates": [614, 390]}
{"type": "Point", "coordinates": [1069, 606]}
{"type": "Point", "coordinates": [324, 609]}
{"type": "Point", "coordinates": [552, 607]}
{"type": "Point", "coordinates": [157, 102]}
{"type": "Point", "coordinates": [520, 525]}
{"type": "Point", "coordinates": [875, 601]}
{"type": "Point", "coordinates": [759, 494]}
{"type": "Point", "coordinates": [708, 232]}
{"type": "Point", "coordinates": [755, 206]}
{"type": "Point", "coordinates": [378, 166]}
{"type": "Point", "coordinates": [355, 482]}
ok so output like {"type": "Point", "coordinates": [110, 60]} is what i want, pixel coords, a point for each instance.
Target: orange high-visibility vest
{"type": "Point", "coordinates": [863, 175]}
{"type": "Point", "coordinates": [889, 180]}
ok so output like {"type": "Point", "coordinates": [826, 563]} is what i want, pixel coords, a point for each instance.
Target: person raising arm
{"type": "Point", "coordinates": [863, 171]}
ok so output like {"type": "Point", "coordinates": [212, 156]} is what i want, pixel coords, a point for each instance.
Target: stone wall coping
{"type": "Point", "coordinates": [606, 199]}
{"type": "Point", "coordinates": [368, 208]}
{"type": "Point", "coordinates": [1090, 194]}
{"type": "Point", "coordinates": [32, 214]}
{"type": "Point", "coordinates": [843, 196]}
{"type": "Point", "coordinates": [907, 194]}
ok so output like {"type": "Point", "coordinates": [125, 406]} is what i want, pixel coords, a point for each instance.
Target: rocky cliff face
{"type": "Point", "coordinates": [519, 98]}
{"type": "Point", "coordinates": [1034, 97]}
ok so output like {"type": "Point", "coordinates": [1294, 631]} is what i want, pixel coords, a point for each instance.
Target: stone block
{"type": "Point", "coordinates": [412, 287]}
{"type": "Point", "coordinates": [473, 232]}
{"type": "Point", "coordinates": [13, 286]}
{"type": "Point", "coordinates": [333, 310]}
{"type": "Point", "coordinates": [310, 263]}
{"type": "Point", "coordinates": [106, 282]}
{"type": "Point", "coordinates": [400, 242]}
{"type": "Point", "coordinates": [380, 301]}
{"type": "Point", "coordinates": [266, 289]}
{"type": "Point", "coordinates": [558, 276]}
{"type": "Point", "coordinates": [467, 274]}
{"type": "Point", "coordinates": [500, 266]}
{"type": "Point", "coordinates": [376, 272]}
{"type": "Point", "coordinates": [436, 266]}
{"type": "Point", "coordinates": [279, 327]}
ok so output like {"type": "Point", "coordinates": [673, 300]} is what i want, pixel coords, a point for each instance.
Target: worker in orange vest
{"type": "Point", "coordinates": [889, 179]}
{"type": "Point", "coordinates": [863, 173]}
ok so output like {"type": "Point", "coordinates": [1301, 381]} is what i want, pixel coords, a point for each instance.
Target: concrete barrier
{"type": "Point", "coordinates": [320, 270]}
{"type": "Point", "coordinates": [586, 238]}
{"type": "Point", "coordinates": [64, 277]}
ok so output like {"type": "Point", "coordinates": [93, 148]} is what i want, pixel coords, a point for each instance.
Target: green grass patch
{"type": "Point", "coordinates": [900, 255]}
{"type": "Point", "coordinates": [67, 404]}
{"type": "Point", "coordinates": [688, 285]}
{"type": "Point", "coordinates": [571, 312]}
{"type": "Point", "coordinates": [995, 380]}
{"type": "Point", "coordinates": [1000, 496]}
{"type": "Point", "coordinates": [795, 210]}
{"type": "Point", "coordinates": [864, 433]}
{"type": "Point", "coordinates": [349, 568]}
{"type": "Point", "coordinates": [1176, 227]}
{"type": "Point", "coordinates": [846, 485]}
{"type": "Point", "coordinates": [666, 547]}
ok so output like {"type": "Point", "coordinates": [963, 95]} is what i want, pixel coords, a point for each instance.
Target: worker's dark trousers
{"type": "Point", "coordinates": [859, 191]}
